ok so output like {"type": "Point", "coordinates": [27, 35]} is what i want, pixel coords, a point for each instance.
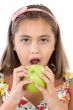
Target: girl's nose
{"type": "Point", "coordinates": [34, 49]}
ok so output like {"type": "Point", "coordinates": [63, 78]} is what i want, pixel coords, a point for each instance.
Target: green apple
{"type": "Point", "coordinates": [34, 71]}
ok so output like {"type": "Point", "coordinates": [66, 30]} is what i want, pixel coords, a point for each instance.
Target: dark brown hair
{"type": "Point", "coordinates": [58, 61]}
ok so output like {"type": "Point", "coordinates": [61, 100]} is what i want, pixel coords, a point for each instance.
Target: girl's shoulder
{"type": "Point", "coordinates": [69, 78]}
{"type": "Point", "coordinates": [4, 88]}
{"type": "Point", "coordinates": [63, 90]}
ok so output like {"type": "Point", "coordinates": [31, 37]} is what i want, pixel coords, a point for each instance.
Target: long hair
{"type": "Point", "coordinates": [58, 61]}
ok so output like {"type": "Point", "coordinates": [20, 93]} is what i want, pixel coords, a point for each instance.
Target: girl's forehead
{"type": "Point", "coordinates": [36, 27]}
{"type": "Point", "coordinates": [34, 24]}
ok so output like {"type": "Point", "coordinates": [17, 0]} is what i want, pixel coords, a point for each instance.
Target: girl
{"type": "Point", "coordinates": [34, 38]}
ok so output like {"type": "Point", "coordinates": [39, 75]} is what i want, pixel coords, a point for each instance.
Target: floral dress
{"type": "Point", "coordinates": [63, 94]}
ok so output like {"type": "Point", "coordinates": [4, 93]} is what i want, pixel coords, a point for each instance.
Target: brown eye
{"type": "Point", "coordinates": [44, 40]}
{"type": "Point", "coordinates": [25, 40]}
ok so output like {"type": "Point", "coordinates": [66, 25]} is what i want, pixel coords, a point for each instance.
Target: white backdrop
{"type": "Point", "coordinates": [62, 9]}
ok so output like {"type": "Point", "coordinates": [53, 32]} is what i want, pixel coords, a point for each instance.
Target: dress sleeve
{"type": "Point", "coordinates": [68, 76]}
{"type": "Point", "coordinates": [1, 83]}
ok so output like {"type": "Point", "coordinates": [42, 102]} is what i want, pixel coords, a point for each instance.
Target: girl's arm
{"type": "Point", "coordinates": [71, 96]}
{"type": "Point", "coordinates": [17, 90]}
{"type": "Point", "coordinates": [8, 105]}
{"type": "Point", "coordinates": [15, 96]}
{"type": "Point", "coordinates": [49, 93]}
{"type": "Point", "coordinates": [0, 101]}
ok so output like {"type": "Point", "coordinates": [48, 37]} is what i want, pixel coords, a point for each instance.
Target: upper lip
{"type": "Point", "coordinates": [34, 58]}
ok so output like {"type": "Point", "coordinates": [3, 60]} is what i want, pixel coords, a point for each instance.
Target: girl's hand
{"type": "Point", "coordinates": [17, 91]}
{"type": "Point", "coordinates": [49, 93]}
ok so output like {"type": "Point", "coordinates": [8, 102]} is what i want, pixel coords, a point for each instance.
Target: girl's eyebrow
{"type": "Point", "coordinates": [25, 36]}
{"type": "Point", "coordinates": [45, 35]}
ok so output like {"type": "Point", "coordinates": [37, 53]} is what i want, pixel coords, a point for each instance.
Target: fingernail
{"type": "Point", "coordinates": [43, 70]}
{"type": "Point", "coordinates": [37, 85]}
{"type": "Point", "coordinates": [40, 74]}
{"type": "Point", "coordinates": [30, 80]}
{"type": "Point", "coordinates": [27, 75]}
{"type": "Point", "coordinates": [26, 67]}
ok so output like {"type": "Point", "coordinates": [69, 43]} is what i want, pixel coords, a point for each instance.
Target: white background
{"type": "Point", "coordinates": [62, 9]}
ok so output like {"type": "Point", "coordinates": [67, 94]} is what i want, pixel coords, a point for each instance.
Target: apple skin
{"type": "Point", "coordinates": [34, 71]}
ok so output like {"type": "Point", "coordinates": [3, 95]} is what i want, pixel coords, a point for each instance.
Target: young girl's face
{"type": "Point", "coordinates": [34, 42]}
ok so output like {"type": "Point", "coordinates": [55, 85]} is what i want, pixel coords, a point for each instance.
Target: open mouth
{"type": "Point", "coordinates": [35, 61]}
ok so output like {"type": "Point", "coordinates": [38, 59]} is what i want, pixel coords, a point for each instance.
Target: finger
{"type": "Point", "coordinates": [45, 79]}
{"type": "Point", "coordinates": [20, 69]}
{"type": "Point", "coordinates": [22, 84]}
{"type": "Point", "coordinates": [20, 75]}
{"type": "Point", "coordinates": [19, 72]}
{"type": "Point", "coordinates": [51, 74]}
{"type": "Point", "coordinates": [47, 72]}
{"type": "Point", "coordinates": [17, 77]}
{"type": "Point", "coordinates": [41, 89]}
